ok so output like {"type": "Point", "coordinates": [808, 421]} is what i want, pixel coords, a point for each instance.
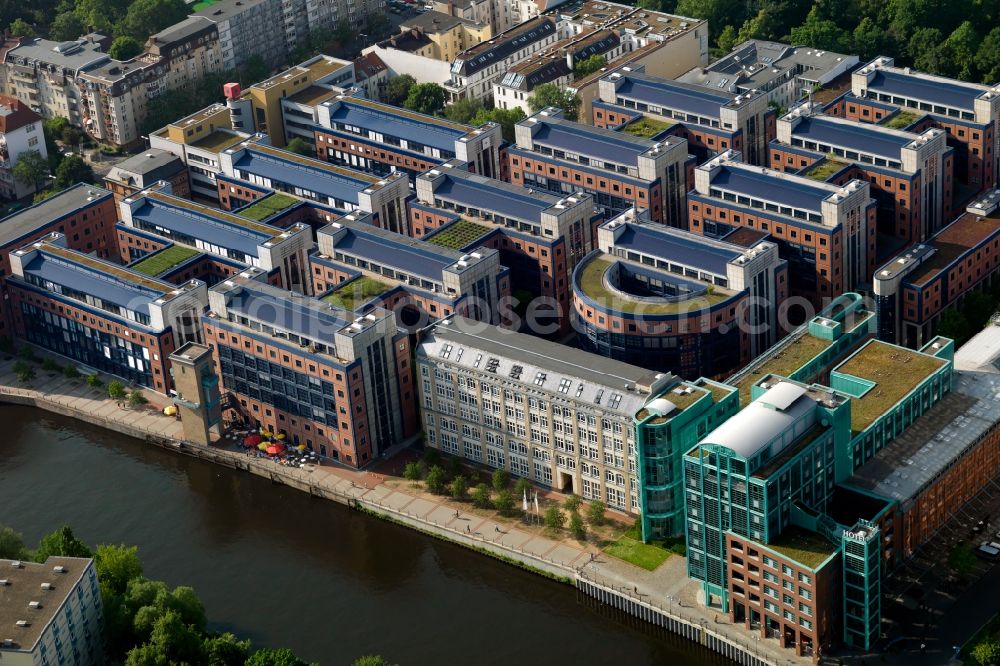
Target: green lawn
{"type": "Point", "coordinates": [458, 235]}
{"type": "Point", "coordinates": [202, 4]}
{"type": "Point", "coordinates": [267, 207]}
{"type": "Point", "coordinates": [901, 120]}
{"type": "Point", "coordinates": [825, 169]}
{"type": "Point", "coordinates": [165, 259]}
{"type": "Point", "coordinates": [646, 127]}
{"type": "Point", "coordinates": [638, 553]}
{"type": "Point", "coordinates": [591, 281]}
{"type": "Point", "coordinates": [356, 292]}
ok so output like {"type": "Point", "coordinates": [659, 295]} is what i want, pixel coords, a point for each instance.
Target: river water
{"type": "Point", "coordinates": [284, 569]}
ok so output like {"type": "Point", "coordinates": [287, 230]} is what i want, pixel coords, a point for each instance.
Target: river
{"type": "Point", "coordinates": [284, 569]}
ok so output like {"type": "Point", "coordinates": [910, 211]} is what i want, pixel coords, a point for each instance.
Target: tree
{"type": "Point", "coordinates": [588, 66]}
{"type": "Point", "coordinates": [171, 641]}
{"type": "Point", "coordinates": [93, 381]}
{"type": "Point", "coordinates": [226, 650]}
{"type": "Point", "coordinates": [504, 502]}
{"type": "Point", "coordinates": [412, 471]}
{"type": "Point", "coordinates": [435, 479]}
{"type": "Point", "coordinates": [371, 661]}
{"type": "Point", "coordinates": [116, 390]}
{"type": "Point", "coordinates": [595, 512]}
{"type": "Point", "coordinates": [136, 398]}
{"type": "Point", "coordinates": [576, 527]}
{"type": "Point", "coordinates": [481, 496]}
{"type": "Point", "coordinates": [727, 39]}
{"type": "Point", "coordinates": [23, 371]}
{"type": "Point", "coordinates": [125, 48]}
{"type": "Point", "coordinates": [65, 27]}
{"type": "Point", "coordinates": [500, 479]}
{"type": "Point", "coordinates": [71, 171]}
{"type": "Point", "coordinates": [101, 15]}
{"type": "Point", "coordinates": [549, 94]}
{"type": "Point", "coordinates": [522, 487]}
{"type": "Point", "coordinates": [978, 308]}
{"type": "Point", "coordinates": [146, 17]}
{"type": "Point", "coordinates": [821, 34]}
{"type": "Point", "coordinates": [398, 89]}
{"type": "Point", "coordinates": [463, 111]}
{"type": "Point", "coordinates": [26, 353]}
{"type": "Point", "coordinates": [869, 39]}
{"type": "Point", "coordinates": [572, 503]}
{"type": "Point", "coordinates": [927, 51]}
{"type": "Point", "coordinates": [961, 47]}
{"type": "Point", "coordinates": [954, 325]}
{"type": "Point", "coordinates": [300, 147]}
{"type": "Point", "coordinates": [459, 487]}
{"type": "Point", "coordinates": [988, 56]}
{"type": "Point", "coordinates": [555, 519]}
{"type": "Point", "coordinates": [62, 543]}
{"type": "Point", "coordinates": [12, 545]}
{"type": "Point", "coordinates": [282, 657]}
{"type": "Point", "coordinates": [718, 12]}
{"type": "Point", "coordinates": [20, 28]}
{"type": "Point", "coordinates": [117, 566]}
{"type": "Point", "coordinates": [31, 169]}
{"type": "Point", "coordinates": [506, 118]}
{"type": "Point", "coordinates": [425, 98]}
{"type": "Point", "coordinates": [987, 652]}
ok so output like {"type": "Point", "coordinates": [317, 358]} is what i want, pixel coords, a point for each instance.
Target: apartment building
{"type": "Point", "coordinates": [420, 281]}
{"type": "Point", "coordinates": [909, 175]}
{"type": "Point", "coordinates": [100, 314]}
{"type": "Point", "coordinates": [620, 171]}
{"type": "Point", "coordinates": [250, 28]}
{"type": "Point", "coordinates": [383, 139]}
{"type": "Point", "coordinates": [825, 232]}
{"type": "Point", "coordinates": [190, 50]}
{"type": "Point", "coordinates": [678, 302]}
{"type": "Point", "coordinates": [52, 612]}
{"type": "Point", "coordinates": [20, 131]}
{"type": "Point", "coordinates": [338, 382]}
{"type": "Point", "coordinates": [968, 112]}
{"type": "Point", "coordinates": [711, 120]}
{"type": "Point", "coordinates": [540, 237]}
{"type": "Point", "coordinates": [785, 74]}
{"type": "Point", "coordinates": [372, 75]}
{"type": "Point", "coordinates": [146, 169]}
{"type": "Point", "coordinates": [489, 12]}
{"type": "Point", "coordinates": [915, 287]}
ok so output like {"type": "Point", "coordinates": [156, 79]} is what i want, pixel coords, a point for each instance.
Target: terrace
{"type": "Point", "coordinates": [800, 545]}
{"type": "Point", "coordinates": [896, 372]}
{"type": "Point", "coordinates": [265, 208]}
{"type": "Point", "coordinates": [162, 261]}
{"type": "Point", "coordinates": [356, 292]}
{"type": "Point", "coordinates": [646, 127]}
{"type": "Point", "coordinates": [822, 170]}
{"type": "Point", "coordinates": [459, 235]}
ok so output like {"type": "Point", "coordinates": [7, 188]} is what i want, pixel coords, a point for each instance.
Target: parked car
{"type": "Point", "coordinates": [988, 551]}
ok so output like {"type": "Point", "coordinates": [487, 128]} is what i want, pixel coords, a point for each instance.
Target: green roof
{"type": "Point", "coordinates": [267, 207]}
{"type": "Point", "coordinates": [218, 140]}
{"type": "Point", "coordinates": [900, 120]}
{"type": "Point", "coordinates": [591, 282]}
{"type": "Point", "coordinates": [356, 292]}
{"type": "Point", "coordinates": [646, 127]}
{"type": "Point", "coordinates": [158, 263]}
{"type": "Point", "coordinates": [458, 235]}
{"type": "Point", "coordinates": [783, 363]}
{"type": "Point", "coordinates": [800, 545]}
{"type": "Point", "coordinates": [823, 170]}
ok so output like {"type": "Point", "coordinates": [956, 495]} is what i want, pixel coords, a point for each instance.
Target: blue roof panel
{"type": "Point", "coordinates": [917, 87]}
{"type": "Point", "coordinates": [676, 248]}
{"type": "Point", "coordinates": [861, 137]}
{"type": "Point", "coordinates": [584, 140]}
{"type": "Point", "coordinates": [407, 257]}
{"type": "Point", "coordinates": [90, 282]}
{"type": "Point", "coordinates": [480, 195]}
{"type": "Point", "coordinates": [201, 227]}
{"type": "Point", "coordinates": [403, 127]}
{"type": "Point", "coordinates": [670, 95]}
{"type": "Point", "coordinates": [321, 181]}
{"type": "Point", "coordinates": [287, 314]}
{"type": "Point", "coordinates": [770, 188]}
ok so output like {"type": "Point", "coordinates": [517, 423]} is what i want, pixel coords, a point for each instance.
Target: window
{"type": "Point", "coordinates": [564, 385]}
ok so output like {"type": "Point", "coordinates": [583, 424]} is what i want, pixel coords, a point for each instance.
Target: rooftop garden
{"type": "Point", "coordinates": [591, 282]}
{"type": "Point", "coordinates": [802, 546]}
{"type": "Point", "coordinates": [896, 371]}
{"type": "Point", "coordinates": [824, 169]}
{"type": "Point", "coordinates": [458, 235]}
{"type": "Point", "coordinates": [268, 206]}
{"type": "Point", "coordinates": [356, 292]}
{"type": "Point", "coordinates": [783, 363]}
{"type": "Point", "coordinates": [217, 141]}
{"type": "Point", "coordinates": [646, 127]}
{"type": "Point", "coordinates": [162, 261]}
{"type": "Point", "coordinates": [901, 120]}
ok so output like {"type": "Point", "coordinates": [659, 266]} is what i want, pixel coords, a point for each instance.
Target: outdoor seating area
{"type": "Point", "coordinates": [261, 443]}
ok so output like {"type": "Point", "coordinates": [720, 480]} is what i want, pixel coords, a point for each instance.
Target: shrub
{"type": "Point", "coordinates": [136, 398]}
{"type": "Point", "coordinates": [576, 527]}
{"type": "Point", "coordinates": [459, 487]}
{"type": "Point", "coordinates": [504, 502]}
{"type": "Point", "coordinates": [572, 503]}
{"type": "Point", "coordinates": [48, 365]}
{"type": "Point", "coordinates": [116, 390]}
{"type": "Point", "coordinates": [554, 518]}
{"type": "Point", "coordinates": [500, 480]}
{"type": "Point", "coordinates": [23, 371]}
{"type": "Point", "coordinates": [521, 487]}
{"type": "Point", "coordinates": [26, 353]}
{"type": "Point", "coordinates": [412, 472]}
{"type": "Point", "coordinates": [435, 479]}
{"type": "Point", "coordinates": [481, 496]}
{"type": "Point", "coordinates": [70, 371]}
{"type": "Point", "coordinates": [431, 456]}
{"type": "Point", "coordinates": [94, 381]}
{"type": "Point", "coordinates": [595, 512]}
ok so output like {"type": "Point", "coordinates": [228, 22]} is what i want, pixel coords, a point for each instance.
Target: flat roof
{"type": "Point", "coordinates": [401, 252]}
{"type": "Point", "coordinates": [218, 140]}
{"type": "Point", "coordinates": [309, 174]}
{"type": "Point", "coordinates": [943, 434]}
{"type": "Point", "coordinates": [607, 145]}
{"type": "Point", "coordinates": [19, 224]}
{"type": "Point", "coordinates": [405, 126]}
{"type": "Point", "coordinates": [312, 95]}
{"type": "Point", "coordinates": [806, 547]}
{"type": "Point", "coordinates": [493, 195]}
{"type": "Point", "coordinates": [797, 193]}
{"type": "Point", "coordinates": [862, 137]}
{"type": "Point", "coordinates": [153, 164]}
{"type": "Point", "coordinates": [690, 98]}
{"type": "Point", "coordinates": [24, 585]}
{"type": "Point", "coordinates": [967, 232]}
{"type": "Point", "coordinates": [228, 232]}
{"type": "Point", "coordinates": [287, 311]}
{"type": "Point", "coordinates": [680, 247]}
{"type": "Point", "coordinates": [74, 54]}
{"type": "Point", "coordinates": [936, 90]}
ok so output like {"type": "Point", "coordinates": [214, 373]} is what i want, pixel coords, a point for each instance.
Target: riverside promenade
{"type": "Point", "coordinates": [666, 592]}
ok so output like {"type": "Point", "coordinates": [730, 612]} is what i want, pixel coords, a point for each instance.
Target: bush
{"type": "Point", "coordinates": [23, 371]}
{"type": "Point", "coordinates": [412, 471]}
{"type": "Point", "coordinates": [595, 512]}
{"type": "Point", "coordinates": [26, 353]}
{"type": "Point", "coordinates": [500, 480]}
{"type": "Point", "coordinates": [116, 390]}
{"type": "Point", "coordinates": [48, 365]}
{"type": "Point", "coordinates": [481, 496]}
{"type": "Point", "coordinates": [435, 479]}
{"type": "Point", "coordinates": [136, 398]}
{"type": "Point", "coordinates": [572, 503]}
{"type": "Point", "coordinates": [459, 487]}
{"type": "Point", "coordinates": [70, 371]}
{"type": "Point", "coordinates": [93, 381]}
{"type": "Point", "coordinates": [576, 527]}
{"type": "Point", "coordinates": [522, 487]}
{"type": "Point", "coordinates": [504, 502]}
{"type": "Point", "coordinates": [554, 518]}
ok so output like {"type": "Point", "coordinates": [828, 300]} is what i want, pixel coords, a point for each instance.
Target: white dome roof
{"type": "Point", "coordinates": [661, 406]}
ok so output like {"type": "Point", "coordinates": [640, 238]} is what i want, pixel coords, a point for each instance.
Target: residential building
{"type": "Point", "coordinates": [910, 175]}
{"type": "Point", "coordinates": [711, 120]}
{"type": "Point", "coordinates": [52, 612]}
{"type": "Point", "coordinates": [190, 50]}
{"type": "Point", "coordinates": [620, 171]}
{"type": "Point", "coordinates": [446, 36]}
{"type": "Point", "coordinates": [678, 302]}
{"type": "Point", "coordinates": [420, 281]}
{"type": "Point", "coordinates": [384, 139]}
{"type": "Point", "coordinates": [914, 289]}
{"type": "Point", "coordinates": [249, 28]}
{"type": "Point", "coordinates": [540, 237]}
{"type": "Point", "coordinates": [338, 382]}
{"type": "Point", "coordinates": [784, 73]}
{"type": "Point", "coordinates": [20, 131]}
{"type": "Point", "coordinates": [371, 74]}
{"type": "Point", "coordinates": [968, 112]}
{"type": "Point", "coordinates": [825, 232]}
{"type": "Point", "coordinates": [146, 169]}
{"type": "Point", "coordinates": [100, 314]}
{"type": "Point", "coordinates": [489, 12]}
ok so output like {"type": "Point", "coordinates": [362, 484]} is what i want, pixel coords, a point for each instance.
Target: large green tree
{"type": "Point", "coordinates": [125, 48]}
{"type": "Point", "coordinates": [506, 118]}
{"type": "Point", "coordinates": [282, 657]}
{"type": "Point", "coordinates": [20, 28]}
{"type": "Point", "coordinates": [146, 17]}
{"type": "Point", "coordinates": [425, 98]}
{"type": "Point", "coordinates": [66, 26]}
{"type": "Point", "coordinates": [549, 94]}
{"type": "Point", "coordinates": [71, 171]}
{"type": "Point", "coordinates": [463, 111]}
{"type": "Point", "coordinates": [397, 89]}
{"type": "Point", "coordinates": [12, 545]}
{"type": "Point", "coordinates": [821, 34]}
{"type": "Point", "coordinates": [988, 56]}
{"type": "Point", "coordinates": [61, 543]}
{"type": "Point", "coordinates": [117, 566]}
{"type": "Point", "coordinates": [588, 66]}
{"type": "Point", "coordinates": [719, 13]}
{"type": "Point", "coordinates": [961, 49]}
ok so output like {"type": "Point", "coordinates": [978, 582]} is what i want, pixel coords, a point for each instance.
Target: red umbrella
{"type": "Point", "coordinates": [251, 441]}
{"type": "Point", "coordinates": [273, 449]}
{"type": "Point", "coordinates": [278, 445]}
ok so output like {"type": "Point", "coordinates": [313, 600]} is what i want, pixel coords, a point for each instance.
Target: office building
{"type": "Point", "coordinates": [20, 131]}
{"type": "Point", "coordinates": [825, 232]}
{"type": "Point", "coordinates": [711, 120]}
{"type": "Point", "coordinates": [678, 302]}
{"type": "Point", "coordinates": [338, 382]}
{"type": "Point", "coordinates": [618, 170]}
{"type": "Point", "coordinates": [51, 612]}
